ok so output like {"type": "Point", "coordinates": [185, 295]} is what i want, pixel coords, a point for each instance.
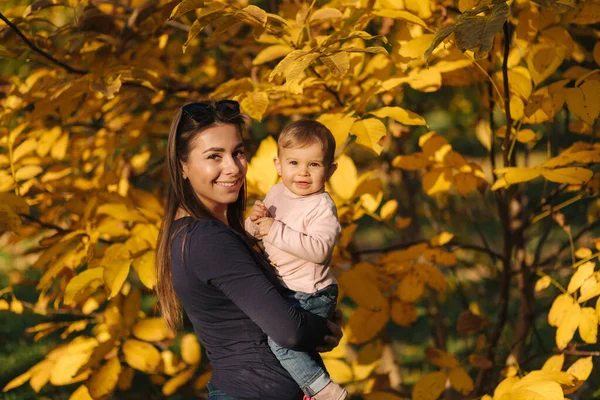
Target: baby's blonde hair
{"type": "Point", "coordinates": [303, 133]}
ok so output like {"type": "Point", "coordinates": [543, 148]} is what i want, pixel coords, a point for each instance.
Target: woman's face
{"type": "Point", "coordinates": [216, 167]}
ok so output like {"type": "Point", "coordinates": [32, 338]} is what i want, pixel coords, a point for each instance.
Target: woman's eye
{"type": "Point", "coordinates": [239, 154]}
{"type": "Point", "coordinates": [214, 156]}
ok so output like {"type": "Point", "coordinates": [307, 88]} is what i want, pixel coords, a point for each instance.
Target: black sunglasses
{"type": "Point", "coordinates": [197, 110]}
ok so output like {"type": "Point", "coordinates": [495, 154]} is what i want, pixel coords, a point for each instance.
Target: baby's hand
{"type": "Point", "coordinates": [259, 210]}
{"type": "Point", "coordinates": [264, 225]}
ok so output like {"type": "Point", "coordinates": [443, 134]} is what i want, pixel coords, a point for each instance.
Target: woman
{"type": "Point", "coordinates": [229, 291]}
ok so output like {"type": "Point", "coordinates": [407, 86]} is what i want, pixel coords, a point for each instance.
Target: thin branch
{"type": "Point", "coordinates": [44, 224]}
{"type": "Point", "coordinates": [405, 245]}
{"type": "Point", "coordinates": [33, 47]}
{"type": "Point", "coordinates": [567, 243]}
{"type": "Point", "coordinates": [61, 311]}
{"type": "Point", "coordinates": [582, 353]}
{"type": "Point", "coordinates": [330, 90]}
{"type": "Point", "coordinates": [481, 234]}
{"type": "Point", "coordinates": [508, 132]}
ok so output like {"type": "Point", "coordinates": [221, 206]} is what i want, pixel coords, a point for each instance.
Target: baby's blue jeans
{"type": "Point", "coordinates": [307, 369]}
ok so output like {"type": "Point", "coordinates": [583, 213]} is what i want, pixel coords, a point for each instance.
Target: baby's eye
{"type": "Point", "coordinates": [294, 162]}
{"type": "Point", "coordinates": [315, 164]}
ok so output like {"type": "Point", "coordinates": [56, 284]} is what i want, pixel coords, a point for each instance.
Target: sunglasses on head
{"type": "Point", "coordinates": [197, 110]}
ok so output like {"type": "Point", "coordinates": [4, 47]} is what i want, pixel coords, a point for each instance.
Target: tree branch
{"type": "Point", "coordinates": [567, 243]}
{"type": "Point", "coordinates": [508, 133]}
{"type": "Point", "coordinates": [330, 90]}
{"type": "Point", "coordinates": [44, 224]}
{"type": "Point", "coordinates": [405, 245]}
{"type": "Point", "coordinates": [33, 47]}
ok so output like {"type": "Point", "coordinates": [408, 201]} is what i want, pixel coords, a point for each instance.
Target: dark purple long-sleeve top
{"type": "Point", "coordinates": [233, 299]}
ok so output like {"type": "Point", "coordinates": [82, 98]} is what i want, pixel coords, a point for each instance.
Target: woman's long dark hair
{"type": "Point", "coordinates": [184, 130]}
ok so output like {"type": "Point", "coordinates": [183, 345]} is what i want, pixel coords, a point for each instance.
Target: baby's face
{"type": "Point", "coordinates": [303, 170]}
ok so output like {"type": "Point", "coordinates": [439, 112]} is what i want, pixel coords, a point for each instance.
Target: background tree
{"type": "Point", "coordinates": [467, 183]}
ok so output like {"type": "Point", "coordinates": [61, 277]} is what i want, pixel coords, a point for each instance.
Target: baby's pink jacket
{"type": "Point", "coordinates": [302, 237]}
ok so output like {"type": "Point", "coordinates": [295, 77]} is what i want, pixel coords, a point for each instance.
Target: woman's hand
{"type": "Point", "coordinates": [335, 328]}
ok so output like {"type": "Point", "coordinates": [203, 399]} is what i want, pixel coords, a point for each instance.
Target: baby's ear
{"type": "Point", "coordinates": [332, 168]}
{"type": "Point", "coordinates": [277, 165]}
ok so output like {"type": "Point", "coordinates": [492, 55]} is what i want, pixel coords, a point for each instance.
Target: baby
{"type": "Point", "coordinates": [298, 225]}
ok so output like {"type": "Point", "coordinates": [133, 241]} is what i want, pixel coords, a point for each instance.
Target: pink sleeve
{"type": "Point", "coordinates": [317, 244]}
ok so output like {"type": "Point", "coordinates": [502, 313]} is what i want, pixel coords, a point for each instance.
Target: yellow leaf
{"type": "Point", "coordinates": [365, 324]}
{"type": "Point", "coordinates": [144, 266]}
{"type": "Point", "coordinates": [571, 175]}
{"type": "Point", "coordinates": [46, 140]}
{"type": "Point", "coordinates": [255, 104]}
{"type": "Point", "coordinates": [403, 314]}
{"type": "Point", "coordinates": [584, 102]}
{"type": "Point", "coordinates": [152, 330]}
{"type": "Point", "coordinates": [261, 173]}
{"type": "Point", "coordinates": [589, 13]}
{"type": "Point", "coordinates": [344, 181]}
{"type": "Point", "coordinates": [465, 183]}
{"type": "Point", "coordinates": [583, 272]}
{"type": "Point", "coordinates": [589, 289]}
{"type": "Point", "coordinates": [554, 363]}
{"type": "Point", "coordinates": [400, 15]}
{"type": "Point", "coordinates": [441, 239]}
{"type": "Point", "coordinates": [82, 393]}
{"type": "Point", "coordinates": [16, 382]}
{"type": "Point", "coordinates": [542, 60]}
{"type": "Point", "coordinates": [412, 162]}
{"type": "Point", "coordinates": [430, 386]}
{"type": "Point", "coordinates": [399, 114]}
{"type": "Point", "coordinates": [119, 211]}
{"type": "Point", "coordinates": [369, 133]}
{"type": "Point", "coordinates": [519, 80]}
{"type": "Point", "coordinates": [115, 273]}
{"type": "Point", "coordinates": [367, 360]}
{"type": "Point", "coordinates": [28, 172]}
{"type": "Point", "coordinates": [582, 368]}
{"type": "Point", "coordinates": [547, 390]}
{"type": "Point", "coordinates": [338, 63]}
{"type": "Point", "coordinates": [186, 6]}
{"type": "Point", "coordinates": [438, 180]}
{"type": "Point", "coordinates": [440, 358]}
{"type": "Point", "coordinates": [460, 380]}
{"type": "Point", "coordinates": [588, 325]}
{"type": "Point", "coordinates": [177, 381]}
{"type": "Point", "coordinates": [84, 279]}
{"type": "Point", "coordinates": [59, 149]}
{"type": "Point", "coordinates": [257, 12]}
{"type": "Point", "coordinates": [23, 149]}
{"type": "Point", "coordinates": [526, 136]}
{"type": "Point", "coordinates": [542, 283]}
{"type": "Point", "coordinates": [425, 80]}
{"type": "Point", "coordinates": [339, 125]}
{"type": "Point", "coordinates": [514, 175]}
{"type": "Point", "coordinates": [558, 309]}
{"type": "Point", "coordinates": [325, 13]}
{"type": "Point", "coordinates": [271, 53]}
{"type": "Point", "coordinates": [583, 252]}
{"type": "Point", "coordinates": [415, 48]}
{"type": "Point", "coordinates": [432, 276]}
{"type": "Point", "coordinates": [410, 288]}
{"type": "Point", "coordinates": [388, 210]}
{"type": "Point", "coordinates": [440, 256]}
{"type": "Point", "coordinates": [104, 381]}
{"type": "Point", "coordinates": [504, 388]}
{"type": "Point", "coordinates": [360, 285]}
{"type": "Point", "coordinates": [16, 306]}
{"type": "Point", "coordinates": [141, 355]}
{"type": "Point", "coordinates": [201, 382]}
{"type": "Point", "coordinates": [340, 371]}
{"type": "Point", "coordinates": [66, 368]}
{"type": "Point", "coordinates": [568, 324]}
{"type": "Point", "coordinates": [190, 349]}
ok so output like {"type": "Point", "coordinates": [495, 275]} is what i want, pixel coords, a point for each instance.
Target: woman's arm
{"type": "Point", "coordinates": [221, 259]}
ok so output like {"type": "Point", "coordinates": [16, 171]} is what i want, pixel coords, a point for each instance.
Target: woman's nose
{"type": "Point", "coordinates": [232, 166]}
